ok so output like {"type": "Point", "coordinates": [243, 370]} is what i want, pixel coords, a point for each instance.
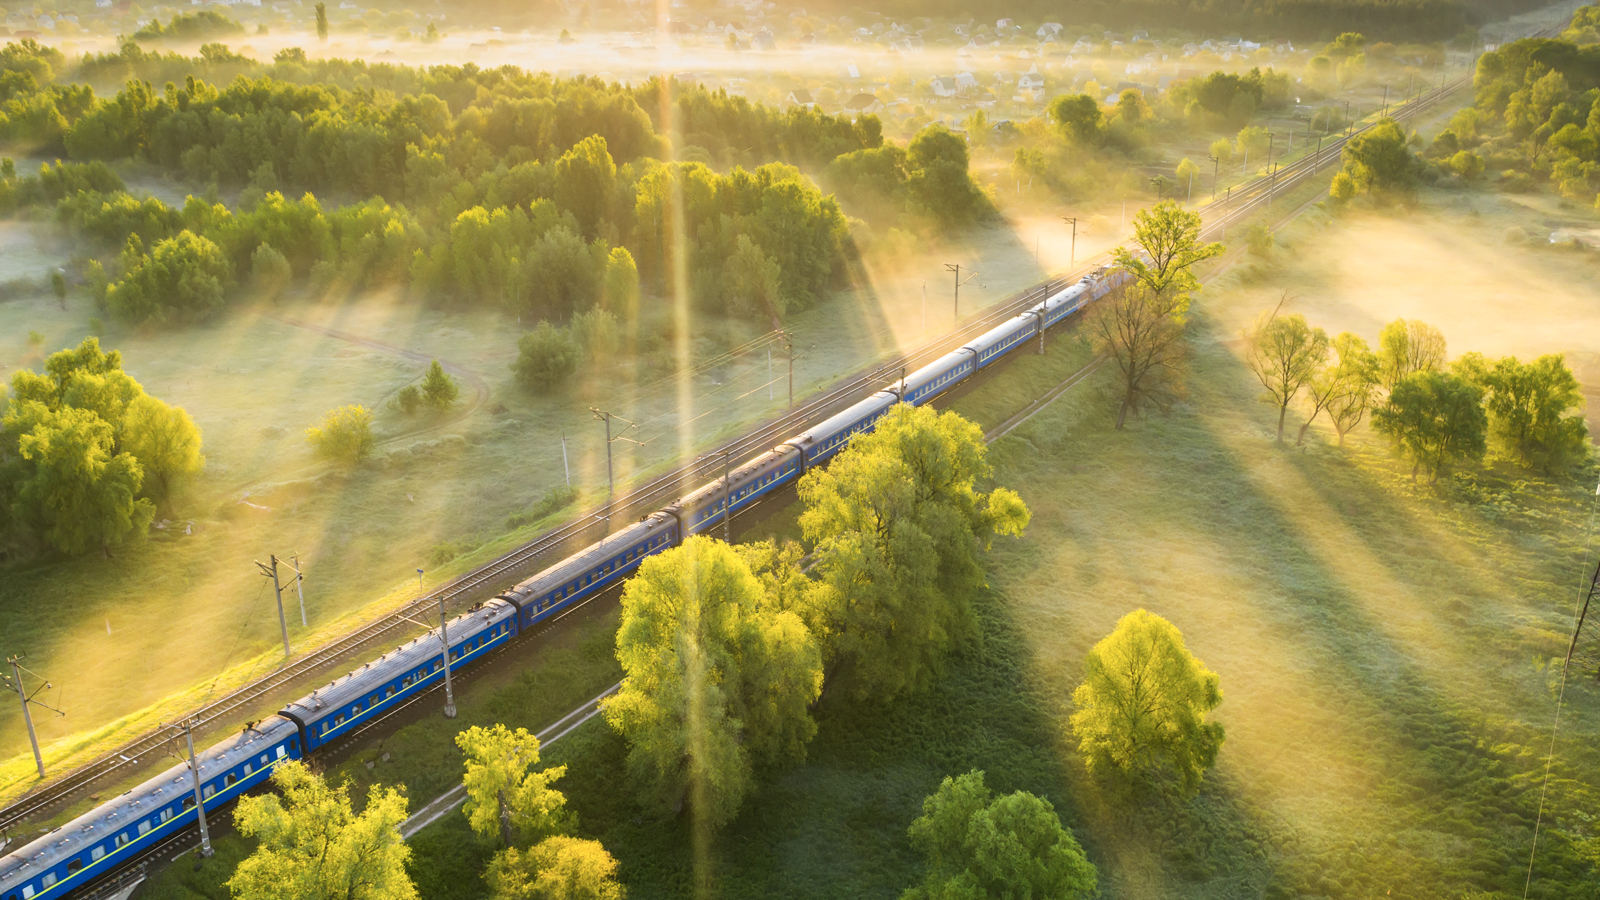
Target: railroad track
{"type": "Point", "coordinates": [503, 572]}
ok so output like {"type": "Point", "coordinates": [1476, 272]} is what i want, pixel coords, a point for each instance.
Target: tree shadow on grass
{"type": "Point", "coordinates": [1358, 760]}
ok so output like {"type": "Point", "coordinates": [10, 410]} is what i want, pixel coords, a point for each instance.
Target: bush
{"type": "Point", "coordinates": [1516, 182]}
{"type": "Point", "coordinates": [409, 399]}
{"type": "Point", "coordinates": [546, 357]}
{"type": "Point", "coordinates": [597, 331]}
{"type": "Point", "coordinates": [344, 436]}
{"type": "Point", "coordinates": [269, 271]}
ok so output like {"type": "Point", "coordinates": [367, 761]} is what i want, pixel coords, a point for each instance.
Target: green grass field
{"type": "Point", "coordinates": [117, 637]}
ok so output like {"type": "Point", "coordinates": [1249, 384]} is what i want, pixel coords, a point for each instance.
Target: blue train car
{"type": "Point", "coordinates": [100, 840]}
{"type": "Point", "coordinates": [386, 682]}
{"type": "Point", "coordinates": [591, 570]}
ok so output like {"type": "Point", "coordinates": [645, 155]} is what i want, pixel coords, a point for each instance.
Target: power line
{"type": "Point", "coordinates": [1566, 666]}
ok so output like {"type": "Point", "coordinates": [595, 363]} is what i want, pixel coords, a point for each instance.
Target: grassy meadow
{"type": "Point", "coordinates": [1384, 650]}
{"type": "Point", "coordinates": [445, 491]}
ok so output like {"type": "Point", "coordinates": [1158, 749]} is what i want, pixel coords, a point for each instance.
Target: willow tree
{"type": "Point", "coordinates": [1285, 353]}
{"type": "Point", "coordinates": [717, 680]}
{"type": "Point", "coordinates": [899, 526]}
{"type": "Point", "coordinates": [312, 846]}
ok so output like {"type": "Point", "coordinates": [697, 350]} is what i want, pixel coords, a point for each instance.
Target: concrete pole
{"type": "Point", "coordinates": [277, 590]}
{"type": "Point", "coordinates": [449, 689]}
{"type": "Point", "coordinates": [27, 717]}
{"type": "Point", "coordinates": [299, 586]}
{"type": "Point", "coordinates": [199, 797]}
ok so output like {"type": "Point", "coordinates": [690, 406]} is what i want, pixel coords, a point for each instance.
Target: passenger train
{"type": "Point", "coordinates": [100, 841]}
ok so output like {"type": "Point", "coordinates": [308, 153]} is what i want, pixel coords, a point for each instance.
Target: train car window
{"type": "Point", "coordinates": [167, 813]}
{"type": "Point", "coordinates": [229, 780]}
{"type": "Point", "coordinates": [74, 866]}
{"type": "Point", "coordinates": [122, 839]}
{"type": "Point", "coordinates": [293, 743]}
{"type": "Point", "coordinates": [388, 693]}
{"type": "Point", "coordinates": [249, 770]}
{"type": "Point", "coordinates": [97, 854]}
{"type": "Point", "coordinates": [27, 891]}
{"type": "Point", "coordinates": [49, 879]}
{"type": "Point", "coordinates": [206, 794]}
{"type": "Point", "coordinates": [188, 804]}
{"type": "Point", "coordinates": [144, 827]}
{"type": "Point", "coordinates": [437, 665]}
{"type": "Point", "coordinates": [372, 701]}
{"type": "Point", "coordinates": [337, 721]}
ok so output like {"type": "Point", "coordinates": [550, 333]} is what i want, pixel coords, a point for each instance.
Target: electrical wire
{"type": "Point", "coordinates": [1561, 694]}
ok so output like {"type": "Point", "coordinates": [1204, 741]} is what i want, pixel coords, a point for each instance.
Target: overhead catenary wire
{"type": "Point", "coordinates": [1566, 666]}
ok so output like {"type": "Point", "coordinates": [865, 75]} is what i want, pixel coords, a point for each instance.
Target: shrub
{"type": "Point", "coordinates": [409, 399]}
{"type": "Point", "coordinates": [439, 390]}
{"type": "Point", "coordinates": [345, 434]}
{"type": "Point", "coordinates": [269, 271]}
{"type": "Point", "coordinates": [596, 330]}
{"type": "Point", "coordinates": [546, 357]}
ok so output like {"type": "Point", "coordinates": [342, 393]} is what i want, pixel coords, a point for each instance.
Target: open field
{"type": "Point", "coordinates": [1383, 651]}
{"type": "Point", "coordinates": [441, 494]}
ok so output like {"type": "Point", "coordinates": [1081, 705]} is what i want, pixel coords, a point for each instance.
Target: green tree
{"type": "Point", "coordinates": [1285, 353]}
{"type": "Point", "coordinates": [898, 526]}
{"type": "Point", "coordinates": [546, 357]}
{"type": "Point", "coordinates": [165, 441]}
{"type": "Point", "coordinates": [596, 331]}
{"type": "Point", "coordinates": [1187, 173]}
{"type": "Point", "coordinates": [1142, 706]}
{"type": "Point", "coordinates": [185, 278]}
{"type": "Point", "coordinates": [619, 287]}
{"type": "Point", "coordinates": [505, 799]}
{"type": "Point", "coordinates": [1380, 163]}
{"type": "Point", "coordinates": [716, 681]}
{"type": "Point", "coordinates": [1079, 119]}
{"type": "Point", "coordinates": [409, 399]}
{"type": "Point", "coordinates": [58, 286]}
{"type": "Point", "coordinates": [586, 180]}
{"type": "Point", "coordinates": [269, 271]}
{"type": "Point", "coordinates": [1467, 164]}
{"type": "Point", "coordinates": [311, 846]}
{"type": "Point", "coordinates": [751, 282]}
{"type": "Point", "coordinates": [322, 21]}
{"type": "Point", "coordinates": [1536, 412]}
{"type": "Point", "coordinates": [939, 180]}
{"type": "Point", "coordinates": [82, 494]}
{"type": "Point", "coordinates": [1222, 149]}
{"type": "Point", "coordinates": [1345, 388]}
{"type": "Point", "coordinates": [439, 390]}
{"type": "Point", "coordinates": [558, 868]}
{"type": "Point", "coordinates": [1407, 347]}
{"type": "Point", "coordinates": [345, 434]}
{"type": "Point", "coordinates": [1141, 327]}
{"type": "Point", "coordinates": [1013, 846]}
{"type": "Point", "coordinates": [1436, 418]}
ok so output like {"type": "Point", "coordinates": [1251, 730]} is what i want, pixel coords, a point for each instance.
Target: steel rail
{"type": "Point", "coordinates": [1241, 203]}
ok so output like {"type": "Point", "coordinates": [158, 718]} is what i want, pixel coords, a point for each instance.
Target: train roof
{"type": "Point", "coordinates": [589, 557]}
{"type": "Point", "coordinates": [838, 422]}
{"type": "Point", "coordinates": [386, 668]}
{"type": "Point", "coordinates": [99, 824]}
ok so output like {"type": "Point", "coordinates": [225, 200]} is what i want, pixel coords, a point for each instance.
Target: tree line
{"type": "Point", "coordinates": [1536, 117]}
{"type": "Point", "coordinates": [1437, 414]}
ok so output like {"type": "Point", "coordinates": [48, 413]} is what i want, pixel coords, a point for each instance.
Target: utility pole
{"type": "Point", "coordinates": [1216, 166]}
{"type": "Point", "coordinates": [1072, 256]}
{"type": "Point", "coordinates": [277, 590]}
{"type": "Point", "coordinates": [788, 343]}
{"type": "Point", "coordinates": [727, 494]}
{"type": "Point", "coordinates": [769, 373]}
{"type": "Point", "coordinates": [565, 466]}
{"type": "Point", "coordinates": [299, 586]}
{"type": "Point", "coordinates": [956, 268]}
{"type": "Point", "coordinates": [27, 717]}
{"type": "Point", "coordinates": [606, 417]}
{"type": "Point", "coordinates": [1160, 185]}
{"type": "Point", "coordinates": [199, 796]}
{"type": "Point", "coordinates": [1385, 100]}
{"type": "Point", "coordinates": [444, 636]}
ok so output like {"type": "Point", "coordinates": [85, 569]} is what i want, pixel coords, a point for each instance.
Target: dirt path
{"type": "Point", "coordinates": [480, 387]}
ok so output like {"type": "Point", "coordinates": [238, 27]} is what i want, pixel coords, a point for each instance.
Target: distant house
{"type": "Point", "coordinates": [1048, 30]}
{"type": "Point", "coordinates": [801, 97]}
{"type": "Point", "coordinates": [1003, 23]}
{"type": "Point", "coordinates": [861, 104]}
{"type": "Point", "coordinates": [1027, 94]}
{"type": "Point", "coordinates": [944, 87]}
{"type": "Point", "coordinates": [1030, 81]}
{"type": "Point", "coordinates": [763, 40]}
{"type": "Point", "coordinates": [852, 71]}
{"type": "Point", "coordinates": [965, 81]}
